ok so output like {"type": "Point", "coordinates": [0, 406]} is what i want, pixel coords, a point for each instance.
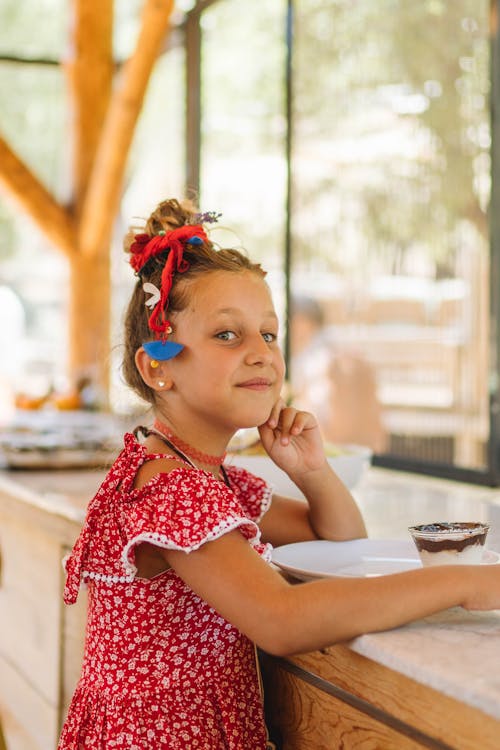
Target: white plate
{"type": "Point", "coordinates": [358, 557]}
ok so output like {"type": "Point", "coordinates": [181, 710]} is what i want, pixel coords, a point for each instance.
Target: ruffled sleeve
{"type": "Point", "coordinates": [183, 510]}
{"type": "Point", "coordinates": [95, 554]}
{"type": "Point", "coordinates": [254, 494]}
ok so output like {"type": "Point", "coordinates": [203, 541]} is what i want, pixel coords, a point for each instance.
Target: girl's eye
{"type": "Point", "coordinates": [269, 338]}
{"type": "Point", "coordinates": [226, 335]}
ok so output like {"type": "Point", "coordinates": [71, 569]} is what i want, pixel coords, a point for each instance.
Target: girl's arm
{"type": "Point", "coordinates": [284, 619]}
{"type": "Point", "coordinates": [293, 441]}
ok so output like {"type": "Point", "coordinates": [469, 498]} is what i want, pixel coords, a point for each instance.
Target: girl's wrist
{"type": "Point", "coordinates": [311, 477]}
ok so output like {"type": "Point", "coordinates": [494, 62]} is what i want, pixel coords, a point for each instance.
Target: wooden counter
{"type": "Point", "coordinates": [391, 691]}
{"type": "Point", "coordinates": [41, 641]}
{"type": "Point", "coordinates": [339, 699]}
{"type": "Point", "coordinates": [431, 684]}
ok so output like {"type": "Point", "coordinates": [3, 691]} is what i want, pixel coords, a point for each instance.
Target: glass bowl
{"type": "Point", "coordinates": [450, 542]}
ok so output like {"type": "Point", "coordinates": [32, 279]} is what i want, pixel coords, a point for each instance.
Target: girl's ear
{"type": "Point", "coordinates": [156, 374]}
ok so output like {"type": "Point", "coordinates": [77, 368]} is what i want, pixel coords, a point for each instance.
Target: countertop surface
{"type": "Point", "coordinates": [60, 492]}
{"type": "Point", "coordinates": [455, 652]}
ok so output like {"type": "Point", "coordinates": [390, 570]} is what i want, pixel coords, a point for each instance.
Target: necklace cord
{"type": "Point", "coordinates": [186, 448]}
{"type": "Point", "coordinates": [147, 432]}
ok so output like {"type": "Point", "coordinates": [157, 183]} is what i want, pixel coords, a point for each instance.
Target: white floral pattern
{"type": "Point", "coordinates": [162, 670]}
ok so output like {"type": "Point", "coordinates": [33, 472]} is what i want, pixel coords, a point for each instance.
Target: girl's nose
{"type": "Point", "coordinates": [258, 351]}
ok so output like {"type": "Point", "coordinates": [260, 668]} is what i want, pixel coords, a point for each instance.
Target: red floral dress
{"type": "Point", "coordinates": [162, 670]}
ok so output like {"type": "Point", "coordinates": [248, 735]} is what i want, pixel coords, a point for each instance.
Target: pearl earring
{"type": "Point", "coordinates": [161, 383]}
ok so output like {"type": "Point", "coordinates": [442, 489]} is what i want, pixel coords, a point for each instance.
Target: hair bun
{"type": "Point", "coordinates": [169, 214]}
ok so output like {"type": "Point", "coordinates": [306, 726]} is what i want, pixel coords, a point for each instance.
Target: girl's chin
{"type": "Point", "coordinates": [253, 420]}
{"type": "Point", "coordinates": [251, 415]}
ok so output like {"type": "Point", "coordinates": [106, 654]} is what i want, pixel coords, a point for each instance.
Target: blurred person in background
{"type": "Point", "coordinates": [339, 386]}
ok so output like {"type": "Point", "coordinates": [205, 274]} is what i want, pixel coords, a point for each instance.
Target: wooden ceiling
{"type": "Point", "coordinates": [105, 109]}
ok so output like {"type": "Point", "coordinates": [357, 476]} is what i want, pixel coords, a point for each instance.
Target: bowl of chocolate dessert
{"type": "Point", "coordinates": [450, 543]}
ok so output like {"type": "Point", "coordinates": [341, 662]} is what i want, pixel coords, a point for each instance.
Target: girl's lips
{"type": "Point", "coordinates": [256, 384]}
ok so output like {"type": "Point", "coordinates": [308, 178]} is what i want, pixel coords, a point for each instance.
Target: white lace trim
{"type": "Point", "coordinates": [106, 578]}
{"type": "Point", "coordinates": [86, 574]}
{"type": "Point", "coordinates": [267, 553]}
{"type": "Point", "coordinates": [163, 541]}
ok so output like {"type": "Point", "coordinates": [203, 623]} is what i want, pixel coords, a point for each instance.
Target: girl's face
{"type": "Point", "coordinates": [231, 370]}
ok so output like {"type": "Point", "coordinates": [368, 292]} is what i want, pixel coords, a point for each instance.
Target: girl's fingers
{"type": "Point", "coordinates": [288, 422]}
{"type": "Point", "coordinates": [302, 421]}
{"type": "Point", "coordinates": [292, 423]}
{"type": "Point", "coordinates": [274, 417]}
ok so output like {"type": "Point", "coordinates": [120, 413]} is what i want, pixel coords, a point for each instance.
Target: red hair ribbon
{"type": "Point", "coordinates": [145, 247]}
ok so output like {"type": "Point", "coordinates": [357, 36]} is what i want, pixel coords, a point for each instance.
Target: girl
{"type": "Point", "coordinates": [175, 547]}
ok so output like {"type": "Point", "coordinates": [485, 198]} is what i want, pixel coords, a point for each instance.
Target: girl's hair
{"type": "Point", "coordinates": [202, 259]}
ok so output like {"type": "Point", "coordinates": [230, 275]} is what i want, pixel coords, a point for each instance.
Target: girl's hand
{"type": "Point", "coordinates": [292, 439]}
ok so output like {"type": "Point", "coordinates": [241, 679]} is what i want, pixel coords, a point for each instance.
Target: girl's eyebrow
{"type": "Point", "coordinates": [236, 311]}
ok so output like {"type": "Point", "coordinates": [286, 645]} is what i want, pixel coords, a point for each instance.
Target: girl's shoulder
{"type": "Point", "coordinates": [137, 464]}
{"type": "Point", "coordinates": [140, 471]}
{"type": "Point", "coordinates": [155, 465]}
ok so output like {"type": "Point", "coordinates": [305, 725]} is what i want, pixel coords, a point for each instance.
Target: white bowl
{"type": "Point", "coordinates": [348, 466]}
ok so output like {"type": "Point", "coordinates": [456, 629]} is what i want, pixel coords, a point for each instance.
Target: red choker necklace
{"type": "Point", "coordinates": [204, 458]}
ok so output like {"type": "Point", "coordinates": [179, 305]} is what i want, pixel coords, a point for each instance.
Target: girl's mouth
{"type": "Point", "coordinates": [256, 384]}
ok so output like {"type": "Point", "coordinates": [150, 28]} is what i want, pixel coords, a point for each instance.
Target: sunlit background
{"type": "Point", "coordinates": [347, 145]}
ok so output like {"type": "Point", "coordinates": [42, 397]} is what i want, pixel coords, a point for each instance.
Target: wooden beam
{"type": "Point", "coordinates": [19, 182]}
{"type": "Point", "coordinates": [89, 68]}
{"type": "Point", "coordinates": [89, 320]}
{"type": "Point", "coordinates": [104, 190]}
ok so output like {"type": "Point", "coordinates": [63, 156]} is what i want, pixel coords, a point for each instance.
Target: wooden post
{"type": "Point", "coordinates": [89, 319]}
{"type": "Point", "coordinates": [89, 69]}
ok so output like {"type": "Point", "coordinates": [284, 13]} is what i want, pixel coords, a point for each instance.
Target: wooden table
{"type": "Point", "coordinates": [431, 684]}
{"type": "Point", "coordinates": [339, 699]}
{"type": "Point", "coordinates": [41, 643]}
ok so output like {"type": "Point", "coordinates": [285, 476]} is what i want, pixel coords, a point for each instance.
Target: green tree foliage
{"type": "Point", "coordinates": [392, 97]}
